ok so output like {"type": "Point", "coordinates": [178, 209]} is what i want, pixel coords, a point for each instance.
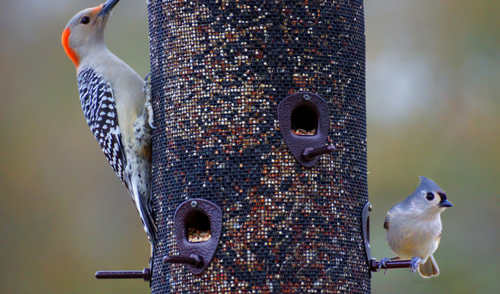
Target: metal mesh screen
{"type": "Point", "coordinates": [220, 68]}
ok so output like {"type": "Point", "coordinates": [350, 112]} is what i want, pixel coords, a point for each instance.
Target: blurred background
{"type": "Point", "coordinates": [433, 93]}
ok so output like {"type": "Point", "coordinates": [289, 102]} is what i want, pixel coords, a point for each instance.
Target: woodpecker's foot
{"type": "Point", "coordinates": [415, 262]}
{"type": "Point", "coordinates": [149, 110]}
{"type": "Point", "coordinates": [148, 106]}
{"type": "Point", "coordinates": [147, 79]}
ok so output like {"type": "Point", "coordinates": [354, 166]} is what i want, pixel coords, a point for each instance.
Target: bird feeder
{"type": "Point", "coordinates": [259, 159]}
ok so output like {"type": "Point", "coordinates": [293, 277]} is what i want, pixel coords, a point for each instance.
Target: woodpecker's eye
{"type": "Point", "coordinates": [85, 20]}
{"type": "Point", "coordinates": [429, 196]}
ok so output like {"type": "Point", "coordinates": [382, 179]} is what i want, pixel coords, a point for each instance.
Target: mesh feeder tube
{"type": "Point", "coordinates": [290, 219]}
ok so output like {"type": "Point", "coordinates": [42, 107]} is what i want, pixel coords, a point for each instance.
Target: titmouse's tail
{"type": "Point", "coordinates": [429, 269]}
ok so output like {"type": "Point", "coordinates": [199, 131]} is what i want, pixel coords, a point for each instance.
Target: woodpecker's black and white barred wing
{"type": "Point", "coordinates": [99, 108]}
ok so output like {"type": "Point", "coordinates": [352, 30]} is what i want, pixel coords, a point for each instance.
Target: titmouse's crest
{"type": "Point", "coordinates": [429, 195]}
{"type": "Point", "coordinates": [428, 185]}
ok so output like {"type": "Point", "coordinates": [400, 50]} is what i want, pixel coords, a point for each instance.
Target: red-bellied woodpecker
{"type": "Point", "coordinates": [115, 102]}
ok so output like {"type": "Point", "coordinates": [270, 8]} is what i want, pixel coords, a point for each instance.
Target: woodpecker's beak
{"type": "Point", "coordinates": [107, 7]}
{"type": "Point", "coordinates": [445, 203]}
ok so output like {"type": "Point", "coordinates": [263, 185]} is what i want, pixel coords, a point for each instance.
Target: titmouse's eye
{"type": "Point", "coordinates": [429, 196]}
{"type": "Point", "coordinates": [85, 20]}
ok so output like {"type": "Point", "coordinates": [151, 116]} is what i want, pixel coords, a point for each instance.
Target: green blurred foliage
{"type": "Point", "coordinates": [433, 101]}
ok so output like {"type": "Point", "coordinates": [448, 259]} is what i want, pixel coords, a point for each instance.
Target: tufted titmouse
{"type": "Point", "coordinates": [414, 227]}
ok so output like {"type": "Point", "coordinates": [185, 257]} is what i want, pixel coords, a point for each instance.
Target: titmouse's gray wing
{"type": "Point", "coordinates": [386, 222]}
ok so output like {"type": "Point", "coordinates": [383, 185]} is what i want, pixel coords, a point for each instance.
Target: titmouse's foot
{"type": "Point", "coordinates": [148, 106]}
{"type": "Point", "coordinates": [382, 263]}
{"type": "Point", "coordinates": [415, 262]}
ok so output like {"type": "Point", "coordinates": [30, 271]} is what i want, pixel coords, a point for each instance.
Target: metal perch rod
{"type": "Point", "coordinates": [144, 274]}
{"type": "Point", "coordinates": [390, 264]}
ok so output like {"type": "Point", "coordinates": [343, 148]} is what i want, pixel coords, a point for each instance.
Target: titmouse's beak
{"type": "Point", "coordinates": [445, 203]}
{"type": "Point", "coordinates": [107, 7]}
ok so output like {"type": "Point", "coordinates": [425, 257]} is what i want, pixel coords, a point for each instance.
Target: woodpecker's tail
{"type": "Point", "coordinates": [140, 191]}
{"type": "Point", "coordinates": [144, 208]}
